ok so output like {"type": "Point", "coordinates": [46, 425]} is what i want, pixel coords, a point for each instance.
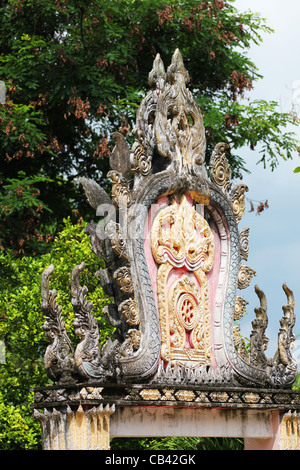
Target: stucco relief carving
{"type": "Point", "coordinates": [124, 280]}
{"type": "Point", "coordinates": [179, 130]}
{"type": "Point", "coordinates": [237, 198]}
{"type": "Point", "coordinates": [186, 318]}
{"type": "Point", "coordinates": [244, 243]}
{"type": "Point", "coordinates": [245, 276]}
{"type": "Point", "coordinates": [172, 275]}
{"type": "Point", "coordinates": [181, 237]}
{"type": "Point", "coordinates": [240, 308]}
{"type": "Point", "coordinates": [129, 309]}
{"type": "Point", "coordinates": [220, 171]}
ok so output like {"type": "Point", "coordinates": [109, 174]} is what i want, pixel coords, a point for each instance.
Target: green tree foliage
{"type": "Point", "coordinates": [20, 210]}
{"type": "Point", "coordinates": [297, 169]}
{"type": "Point", "coordinates": [76, 70]}
{"type": "Point", "coordinates": [21, 326]}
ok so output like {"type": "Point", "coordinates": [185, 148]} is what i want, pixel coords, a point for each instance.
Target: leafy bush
{"type": "Point", "coordinates": [21, 326]}
{"type": "Point", "coordinates": [178, 443]}
{"type": "Point", "coordinates": [17, 431]}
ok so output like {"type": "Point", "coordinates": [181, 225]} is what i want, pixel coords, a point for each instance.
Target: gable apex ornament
{"type": "Point", "coordinates": [173, 265]}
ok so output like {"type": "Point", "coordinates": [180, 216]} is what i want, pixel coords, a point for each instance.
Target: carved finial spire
{"type": "Point", "coordinates": [58, 359]}
{"type": "Point", "coordinates": [177, 70]}
{"type": "Point", "coordinates": [144, 145]}
{"type": "Point", "coordinates": [169, 125]}
{"type": "Point", "coordinates": [157, 75]}
{"type": "Point", "coordinates": [283, 369]}
{"type": "Point", "coordinates": [179, 130]}
{"type": "Point", "coordinates": [85, 324]}
{"type": "Point", "coordinates": [258, 340]}
{"type": "Point", "coordinates": [286, 336]}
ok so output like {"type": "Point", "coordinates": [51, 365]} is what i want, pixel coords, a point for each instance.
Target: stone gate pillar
{"type": "Point", "coordinates": [83, 428]}
{"type": "Point", "coordinates": [286, 434]}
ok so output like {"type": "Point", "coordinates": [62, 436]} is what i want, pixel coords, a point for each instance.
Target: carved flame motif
{"type": "Point", "coordinates": [181, 238]}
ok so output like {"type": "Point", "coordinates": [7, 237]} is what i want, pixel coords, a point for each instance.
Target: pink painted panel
{"type": "Point", "coordinates": [216, 277]}
{"type": "Point", "coordinates": [267, 444]}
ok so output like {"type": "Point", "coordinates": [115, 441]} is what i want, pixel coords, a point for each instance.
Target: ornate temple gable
{"type": "Point", "coordinates": [174, 253]}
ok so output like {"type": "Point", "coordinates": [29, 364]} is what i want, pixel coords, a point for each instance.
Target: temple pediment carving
{"type": "Point", "coordinates": [174, 250]}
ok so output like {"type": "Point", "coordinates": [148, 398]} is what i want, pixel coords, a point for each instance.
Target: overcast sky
{"type": "Point", "coordinates": [275, 234]}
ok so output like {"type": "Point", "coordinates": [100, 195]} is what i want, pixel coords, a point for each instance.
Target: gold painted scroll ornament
{"type": "Point", "coordinates": [182, 238]}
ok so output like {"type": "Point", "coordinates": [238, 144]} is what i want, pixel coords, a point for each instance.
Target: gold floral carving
{"type": "Point", "coordinates": [135, 337]}
{"type": "Point", "coordinates": [131, 343]}
{"type": "Point", "coordinates": [237, 198]}
{"type": "Point", "coordinates": [219, 168]}
{"type": "Point", "coordinates": [140, 160]}
{"type": "Point", "coordinates": [240, 308]}
{"type": "Point", "coordinates": [130, 312]}
{"type": "Point", "coordinates": [181, 237]}
{"type": "Point", "coordinates": [242, 351]}
{"type": "Point", "coordinates": [244, 243]}
{"type": "Point", "coordinates": [123, 277]}
{"type": "Point", "coordinates": [221, 397]}
{"type": "Point", "coordinates": [189, 317]}
{"type": "Point", "coordinates": [236, 335]}
{"type": "Point", "coordinates": [117, 238]}
{"type": "Point", "coordinates": [251, 397]}
{"type": "Point", "coordinates": [245, 276]}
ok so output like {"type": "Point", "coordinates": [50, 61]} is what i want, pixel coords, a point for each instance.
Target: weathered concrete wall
{"type": "Point", "coordinates": [191, 422]}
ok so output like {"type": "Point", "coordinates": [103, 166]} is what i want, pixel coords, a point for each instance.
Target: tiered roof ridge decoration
{"type": "Point", "coordinates": [174, 265]}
